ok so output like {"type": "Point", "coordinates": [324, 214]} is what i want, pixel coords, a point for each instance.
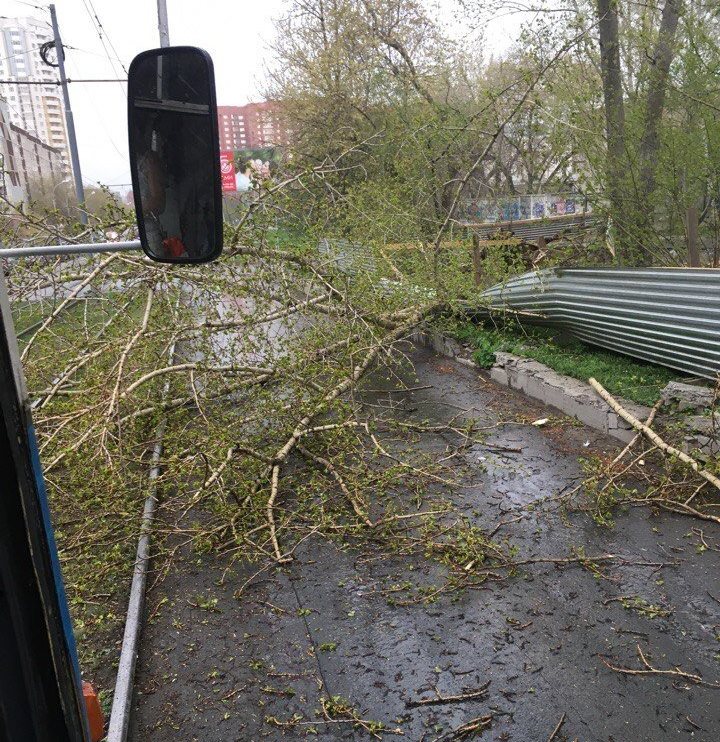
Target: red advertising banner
{"type": "Point", "coordinates": [227, 171]}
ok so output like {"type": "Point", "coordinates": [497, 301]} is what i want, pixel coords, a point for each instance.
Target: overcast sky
{"type": "Point", "coordinates": [235, 32]}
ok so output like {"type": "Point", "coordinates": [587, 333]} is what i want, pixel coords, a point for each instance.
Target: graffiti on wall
{"type": "Point", "coordinates": [517, 208]}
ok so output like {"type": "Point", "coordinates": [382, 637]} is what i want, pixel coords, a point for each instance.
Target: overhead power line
{"type": "Point", "coordinates": [97, 79]}
{"type": "Point", "coordinates": [32, 5]}
{"type": "Point", "coordinates": [109, 40]}
{"type": "Point", "coordinates": [58, 82]}
{"type": "Point", "coordinates": [87, 51]}
{"type": "Point", "coordinates": [20, 54]}
{"type": "Point", "coordinates": [103, 35]}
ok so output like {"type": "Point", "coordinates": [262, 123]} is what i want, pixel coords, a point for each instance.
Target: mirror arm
{"type": "Point", "coordinates": [171, 105]}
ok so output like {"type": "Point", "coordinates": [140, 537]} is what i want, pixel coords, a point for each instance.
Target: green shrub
{"type": "Point", "coordinates": [620, 375]}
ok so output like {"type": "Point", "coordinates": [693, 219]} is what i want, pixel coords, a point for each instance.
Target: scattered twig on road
{"type": "Point", "coordinates": [504, 523]}
{"type": "Point", "coordinates": [648, 669]}
{"type": "Point", "coordinates": [439, 700]}
{"type": "Point", "coordinates": [466, 730]}
{"type": "Point", "coordinates": [557, 728]}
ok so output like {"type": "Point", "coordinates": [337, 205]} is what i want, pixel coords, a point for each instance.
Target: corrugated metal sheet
{"type": "Point", "coordinates": [354, 260]}
{"type": "Point", "coordinates": [348, 257]}
{"type": "Point", "coordinates": [669, 316]}
{"type": "Point", "coordinates": [530, 229]}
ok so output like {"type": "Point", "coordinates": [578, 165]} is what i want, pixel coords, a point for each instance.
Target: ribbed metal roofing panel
{"type": "Point", "coordinates": [670, 316]}
{"type": "Point", "coordinates": [530, 229]}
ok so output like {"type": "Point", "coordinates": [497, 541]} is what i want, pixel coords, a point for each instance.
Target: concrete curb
{"type": "Point", "coordinates": [570, 396]}
{"type": "Point", "coordinates": [119, 725]}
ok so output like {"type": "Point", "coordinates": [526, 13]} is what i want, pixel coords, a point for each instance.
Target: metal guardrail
{"type": "Point", "coordinates": [668, 316]}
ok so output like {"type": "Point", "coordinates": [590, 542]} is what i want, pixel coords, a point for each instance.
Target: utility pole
{"type": "Point", "coordinates": [163, 23]}
{"type": "Point", "coordinates": [72, 140]}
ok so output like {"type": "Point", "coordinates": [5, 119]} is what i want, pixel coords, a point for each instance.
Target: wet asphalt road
{"type": "Point", "coordinates": [538, 638]}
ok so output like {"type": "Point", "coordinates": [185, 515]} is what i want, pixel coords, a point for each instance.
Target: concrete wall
{"type": "Point", "coordinates": [575, 398]}
{"type": "Point", "coordinates": [570, 396]}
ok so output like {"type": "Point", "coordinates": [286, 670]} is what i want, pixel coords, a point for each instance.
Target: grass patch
{"type": "Point", "coordinates": [26, 315]}
{"type": "Point", "coordinates": [79, 316]}
{"type": "Point", "coordinates": [621, 375]}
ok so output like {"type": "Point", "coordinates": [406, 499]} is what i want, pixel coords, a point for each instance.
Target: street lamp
{"type": "Point", "coordinates": [54, 190]}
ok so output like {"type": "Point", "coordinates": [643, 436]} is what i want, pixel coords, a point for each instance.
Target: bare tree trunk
{"type": "Point", "coordinates": [614, 108]}
{"type": "Point", "coordinates": [659, 70]}
{"type": "Point", "coordinates": [478, 253]}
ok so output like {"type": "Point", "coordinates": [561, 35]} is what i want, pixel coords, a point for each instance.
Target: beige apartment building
{"type": "Point", "coordinates": [38, 108]}
{"type": "Point", "coordinates": [29, 168]}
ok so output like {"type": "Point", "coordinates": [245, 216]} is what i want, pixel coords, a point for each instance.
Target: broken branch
{"type": "Point", "coordinates": [652, 436]}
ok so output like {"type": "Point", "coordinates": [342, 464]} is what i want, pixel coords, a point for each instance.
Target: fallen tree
{"type": "Point", "coordinates": [660, 475]}
{"type": "Point", "coordinates": [653, 437]}
{"type": "Point", "coordinates": [265, 425]}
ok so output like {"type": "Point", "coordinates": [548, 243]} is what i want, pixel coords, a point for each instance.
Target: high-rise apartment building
{"type": "Point", "coordinates": [251, 126]}
{"type": "Point", "coordinates": [38, 109]}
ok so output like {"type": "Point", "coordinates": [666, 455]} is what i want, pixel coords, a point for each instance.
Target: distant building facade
{"type": "Point", "coordinates": [29, 168]}
{"type": "Point", "coordinates": [36, 109]}
{"type": "Point", "coordinates": [251, 126]}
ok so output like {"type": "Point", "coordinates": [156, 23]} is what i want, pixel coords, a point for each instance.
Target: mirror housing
{"type": "Point", "coordinates": [175, 154]}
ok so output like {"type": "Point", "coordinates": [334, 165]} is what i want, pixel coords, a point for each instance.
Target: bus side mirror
{"type": "Point", "coordinates": [175, 154]}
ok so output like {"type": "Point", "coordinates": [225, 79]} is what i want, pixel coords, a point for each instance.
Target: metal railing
{"type": "Point", "coordinates": [668, 316]}
{"type": "Point", "coordinates": [85, 248]}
